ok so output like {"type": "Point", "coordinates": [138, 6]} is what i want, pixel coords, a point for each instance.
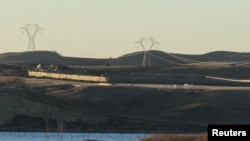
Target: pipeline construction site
{"type": "Point", "coordinates": [151, 91]}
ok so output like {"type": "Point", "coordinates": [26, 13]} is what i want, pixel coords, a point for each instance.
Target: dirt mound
{"type": "Point", "coordinates": [31, 57]}
{"type": "Point", "coordinates": [47, 57]}
{"type": "Point", "coordinates": [159, 58]}
{"type": "Point", "coordinates": [153, 58]}
{"type": "Point", "coordinates": [224, 56]}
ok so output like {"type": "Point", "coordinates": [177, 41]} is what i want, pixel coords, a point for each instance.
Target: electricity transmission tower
{"type": "Point", "coordinates": [31, 31]}
{"type": "Point", "coordinates": [146, 44]}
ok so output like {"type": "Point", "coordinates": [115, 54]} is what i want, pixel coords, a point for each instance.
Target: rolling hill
{"type": "Point", "coordinates": [47, 57]}
{"type": "Point", "coordinates": [153, 58]}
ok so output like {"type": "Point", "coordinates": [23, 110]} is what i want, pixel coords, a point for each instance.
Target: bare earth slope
{"type": "Point", "coordinates": [47, 57]}
{"type": "Point", "coordinates": [88, 107]}
{"type": "Point", "coordinates": [156, 58]}
{"type": "Point", "coordinates": [135, 98]}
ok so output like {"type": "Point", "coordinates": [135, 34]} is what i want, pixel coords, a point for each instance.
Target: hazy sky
{"type": "Point", "coordinates": [109, 28]}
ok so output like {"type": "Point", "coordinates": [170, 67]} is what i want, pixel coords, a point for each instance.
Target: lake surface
{"type": "Point", "coordinates": [41, 136]}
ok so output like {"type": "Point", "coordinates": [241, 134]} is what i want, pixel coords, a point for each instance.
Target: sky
{"type": "Point", "coordinates": [110, 28]}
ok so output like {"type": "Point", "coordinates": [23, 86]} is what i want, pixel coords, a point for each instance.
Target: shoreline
{"type": "Point", "coordinates": [103, 131]}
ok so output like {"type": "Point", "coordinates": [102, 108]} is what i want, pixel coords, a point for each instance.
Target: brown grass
{"type": "Point", "coordinates": [189, 137]}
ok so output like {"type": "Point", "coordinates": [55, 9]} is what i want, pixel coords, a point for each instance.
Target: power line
{"type": "Point", "coordinates": [163, 59]}
{"type": "Point", "coordinates": [242, 63]}
{"type": "Point", "coordinates": [31, 30]}
{"type": "Point", "coordinates": [146, 44]}
{"type": "Point", "coordinates": [58, 43]}
{"type": "Point", "coordinates": [128, 55]}
{"type": "Point", "coordinates": [182, 58]}
{"type": "Point", "coordinates": [53, 41]}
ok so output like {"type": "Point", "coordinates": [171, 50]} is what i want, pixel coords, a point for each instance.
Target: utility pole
{"type": "Point", "coordinates": [146, 44]}
{"type": "Point", "coordinates": [31, 31]}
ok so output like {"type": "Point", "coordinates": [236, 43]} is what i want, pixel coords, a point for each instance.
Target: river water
{"type": "Point", "coordinates": [41, 136]}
